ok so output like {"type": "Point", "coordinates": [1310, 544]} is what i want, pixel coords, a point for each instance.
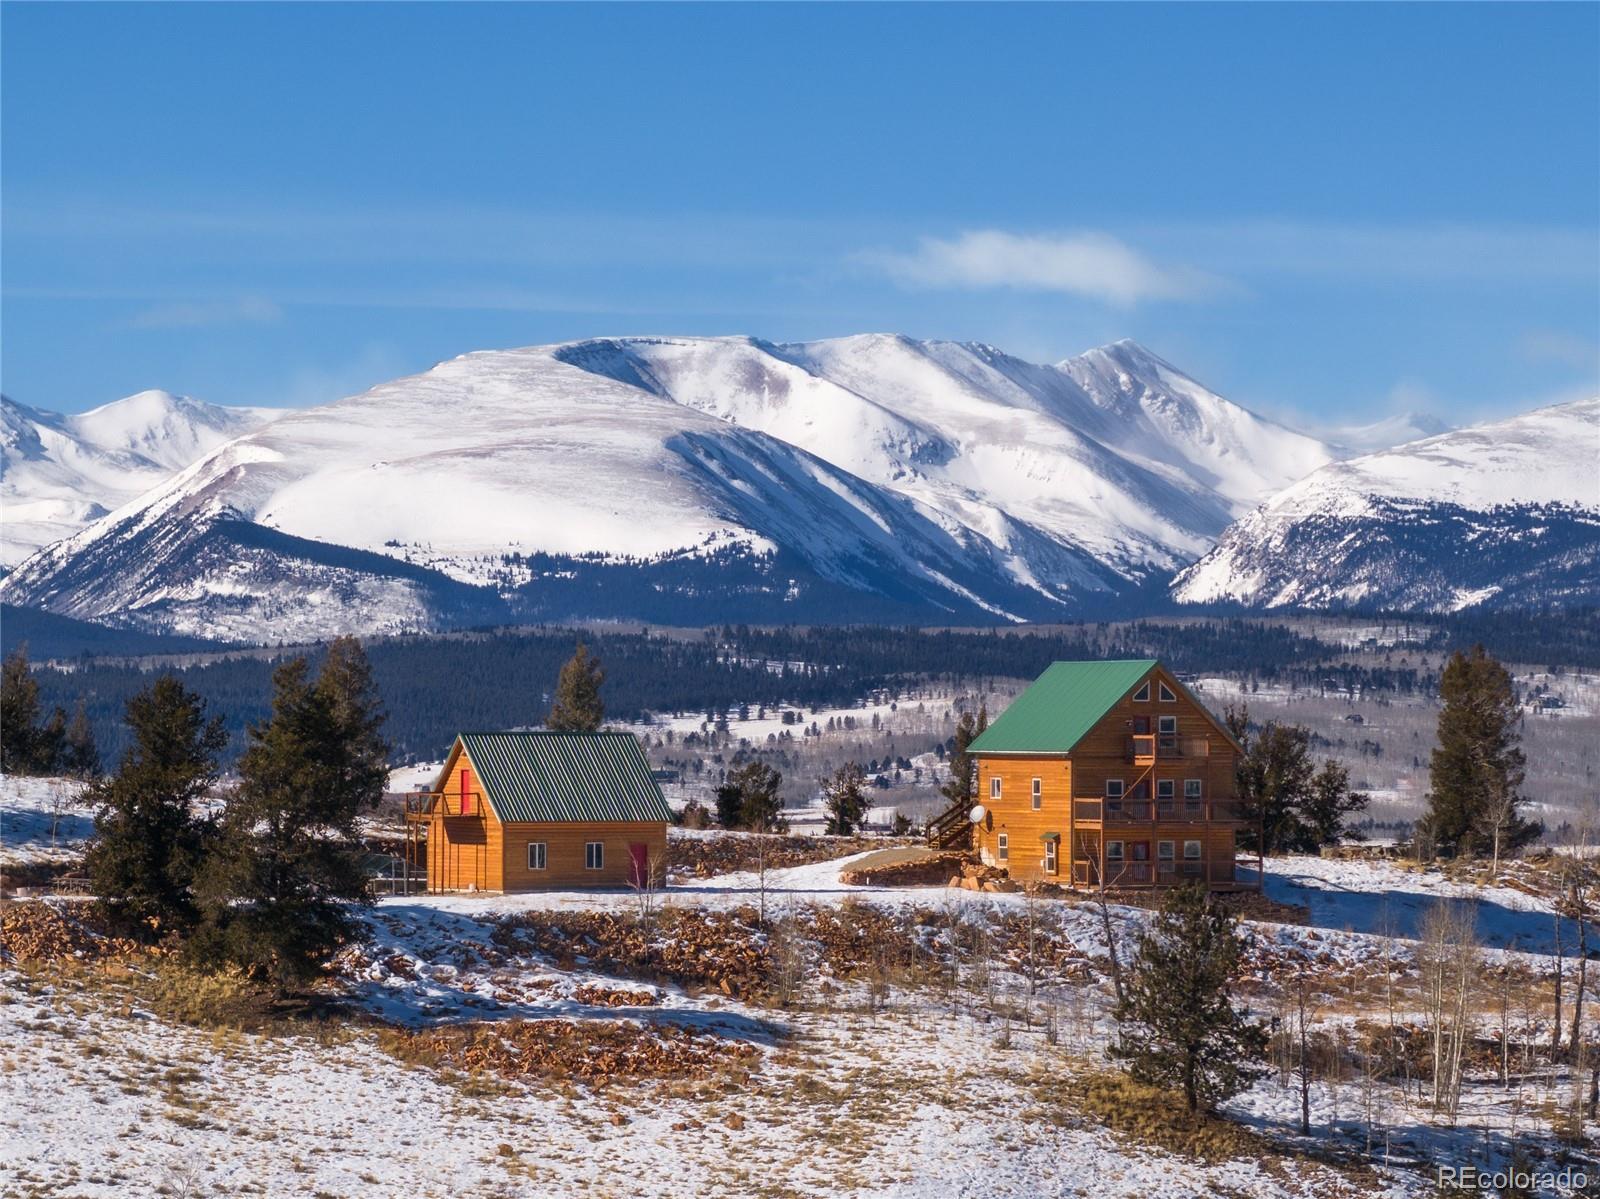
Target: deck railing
{"type": "Point", "coordinates": [424, 805]}
{"type": "Point", "coordinates": [1085, 873]}
{"type": "Point", "coordinates": [1149, 747]}
{"type": "Point", "coordinates": [1098, 809]}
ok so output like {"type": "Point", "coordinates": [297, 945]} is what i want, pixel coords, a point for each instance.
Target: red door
{"type": "Point", "coordinates": [638, 865]}
{"type": "Point", "coordinates": [466, 793]}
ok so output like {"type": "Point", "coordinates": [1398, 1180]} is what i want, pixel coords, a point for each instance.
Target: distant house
{"type": "Point", "coordinates": [527, 811]}
{"type": "Point", "coordinates": [1104, 773]}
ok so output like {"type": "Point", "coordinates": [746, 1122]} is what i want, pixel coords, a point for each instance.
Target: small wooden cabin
{"type": "Point", "coordinates": [1106, 774]}
{"type": "Point", "coordinates": [529, 811]}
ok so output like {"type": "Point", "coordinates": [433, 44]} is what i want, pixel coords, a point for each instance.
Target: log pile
{"type": "Point", "coordinates": [706, 857]}
{"type": "Point", "coordinates": [34, 931]}
{"type": "Point", "coordinates": [682, 946]}
{"type": "Point", "coordinates": [596, 996]}
{"type": "Point", "coordinates": [976, 876]}
{"type": "Point", "coordinates": [588, 1052]}
{"type": "Point", "coordinates": [929, 871]}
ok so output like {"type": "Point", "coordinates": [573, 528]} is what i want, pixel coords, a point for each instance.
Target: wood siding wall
{"type": "Point", "coordinates": [1101, 754]}
{"type": "Point", "coordinates": [1013, 814]}
{"type": "Point", "coordinates": [565, 855]}
{"type": "Point", "coordinates": [466, 852]}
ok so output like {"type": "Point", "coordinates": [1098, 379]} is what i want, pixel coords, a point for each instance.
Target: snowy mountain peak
{"type": "Point", "coordinates": [62, 471]}
{"type": "Point", "coordinates": [1503, 512]}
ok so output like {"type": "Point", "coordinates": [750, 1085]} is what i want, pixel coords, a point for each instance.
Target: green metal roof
{"type": "Point", "coordinates": [1063, 704]}
{"type": "Point", "coordinates": [565, 776]}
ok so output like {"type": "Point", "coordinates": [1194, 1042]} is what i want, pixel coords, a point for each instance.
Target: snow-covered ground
{"type": "Point", "coordinates": [923, 1095]}
{"type": "Point", "coordinates": [856, 1104]}
{"type": "Point", "coordinates": [1385, 898]}
{"type": "Point", "coordinates": [42, 820]}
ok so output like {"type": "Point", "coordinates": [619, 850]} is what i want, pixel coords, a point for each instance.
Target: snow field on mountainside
{"type": "Point", "coordinates": [879, 462]}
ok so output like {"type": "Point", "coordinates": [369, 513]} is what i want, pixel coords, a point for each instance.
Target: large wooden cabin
{"type": "Point", "coordinates": [530, 811]}
{"type": "Point", "coordinates": [1105, 774]}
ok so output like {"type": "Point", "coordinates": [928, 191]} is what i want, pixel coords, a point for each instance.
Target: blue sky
{"type": "Point", "coordinates": [1327, 213]}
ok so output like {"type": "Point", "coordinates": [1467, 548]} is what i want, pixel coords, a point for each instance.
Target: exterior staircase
{"type": "Point", "coordinates": [951, 828]}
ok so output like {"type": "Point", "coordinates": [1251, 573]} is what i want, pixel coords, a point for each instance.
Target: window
{"type": "Point", "coordinates": [535, 855]}
{"type": "Point", "coordinates": [1191, 851]}
{"type": "Point", "coordinates": [1191, 789]}
{"type": "Point", "coordinates": [594, 855]}
{"type": "Point", "coordinates": [1164, 850]}
{"type": "Point", "coordinates": [1167, 726]}
{"type": "Point", "coordinates": [1165, 789]}
{"type": "Point", "coordinates": [994, 787]}
{"type": "Point", "coordinates": [1049, 857]}
{"type": "Point", "coordinates": [1038, 794]}
{"type": "Point", "coordinates": [1142, 696]}
{"type": "Point", "coordinates": [1114, 851]}
{"type": "Point", "coordinates": [1113, 788]}
{"type": "Point", "coordinates": [1002, 847]}
{"type": "Point", "coordinates": [1165, 694]}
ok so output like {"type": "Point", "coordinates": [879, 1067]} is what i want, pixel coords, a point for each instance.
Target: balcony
{"type": "Point", "coordinates": [1100, 811]}
{"type": "Point", "coordinates": [1144, 748]}
{"type": "Point", "coordinates": [1153, 874]}
{"type": "Point", "coordinates": [423, 806]}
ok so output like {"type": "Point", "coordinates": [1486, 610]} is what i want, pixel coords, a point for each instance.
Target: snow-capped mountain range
{"type": "Point", "coordinates": [1507, 512]}
{"type": "Point", "coordinates": [59, 473]}
{"type": "Point", "coordinates": [686, 480]}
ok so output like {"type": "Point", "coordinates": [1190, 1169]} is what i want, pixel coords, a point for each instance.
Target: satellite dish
{"type": "Point", "coordinates": [977, 814]}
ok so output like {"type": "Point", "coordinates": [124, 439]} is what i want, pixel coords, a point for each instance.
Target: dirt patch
{"type": "Point", "coordinates": [1146, 1115]}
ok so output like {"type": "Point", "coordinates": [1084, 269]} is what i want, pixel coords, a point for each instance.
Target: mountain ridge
{"type": "Point", "coordinates": [1505, 512]}
{"type": "Point", "coordinates": [631, 476]}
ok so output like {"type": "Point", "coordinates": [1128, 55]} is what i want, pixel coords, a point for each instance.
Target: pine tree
{"type": "Point", "coordinates": [79, 756]}
{"type": "Point", "coordinates": [1477, 768]}
{"type": "Point", "coordinates": [1273, 779]}
{"type": "Point", "coordinates": [1328, 805]}
{"type": "Point", "coordinates": [280, 890]}
{"type": "Point", "coordinates": [148, 840]}
{"type": "Point", "coordinates": [1178, 1027]}
{"type": "Point", "coordinates": [753, 800]}
{"type": "Point", "coordinates": [578, 707]}
{"type": "Point", "coordinates": [19, 712]}
{"type": "Point", "coordinates": [958, 787]}
{"type": "Point", "coordinates": [26, 746]}
{"type": "Point", "coordinates": [845, 800]}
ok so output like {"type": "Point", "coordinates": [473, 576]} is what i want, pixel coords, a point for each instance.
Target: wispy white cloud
{"type": "Point", "coordinates": [1442, 253]}
{"type": "Point", "coordinates": [1085, 263]}
{"type": "Point", "coordinates": [1568, 349]}
{"type": "Point", "coordinates": [195, 314]}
